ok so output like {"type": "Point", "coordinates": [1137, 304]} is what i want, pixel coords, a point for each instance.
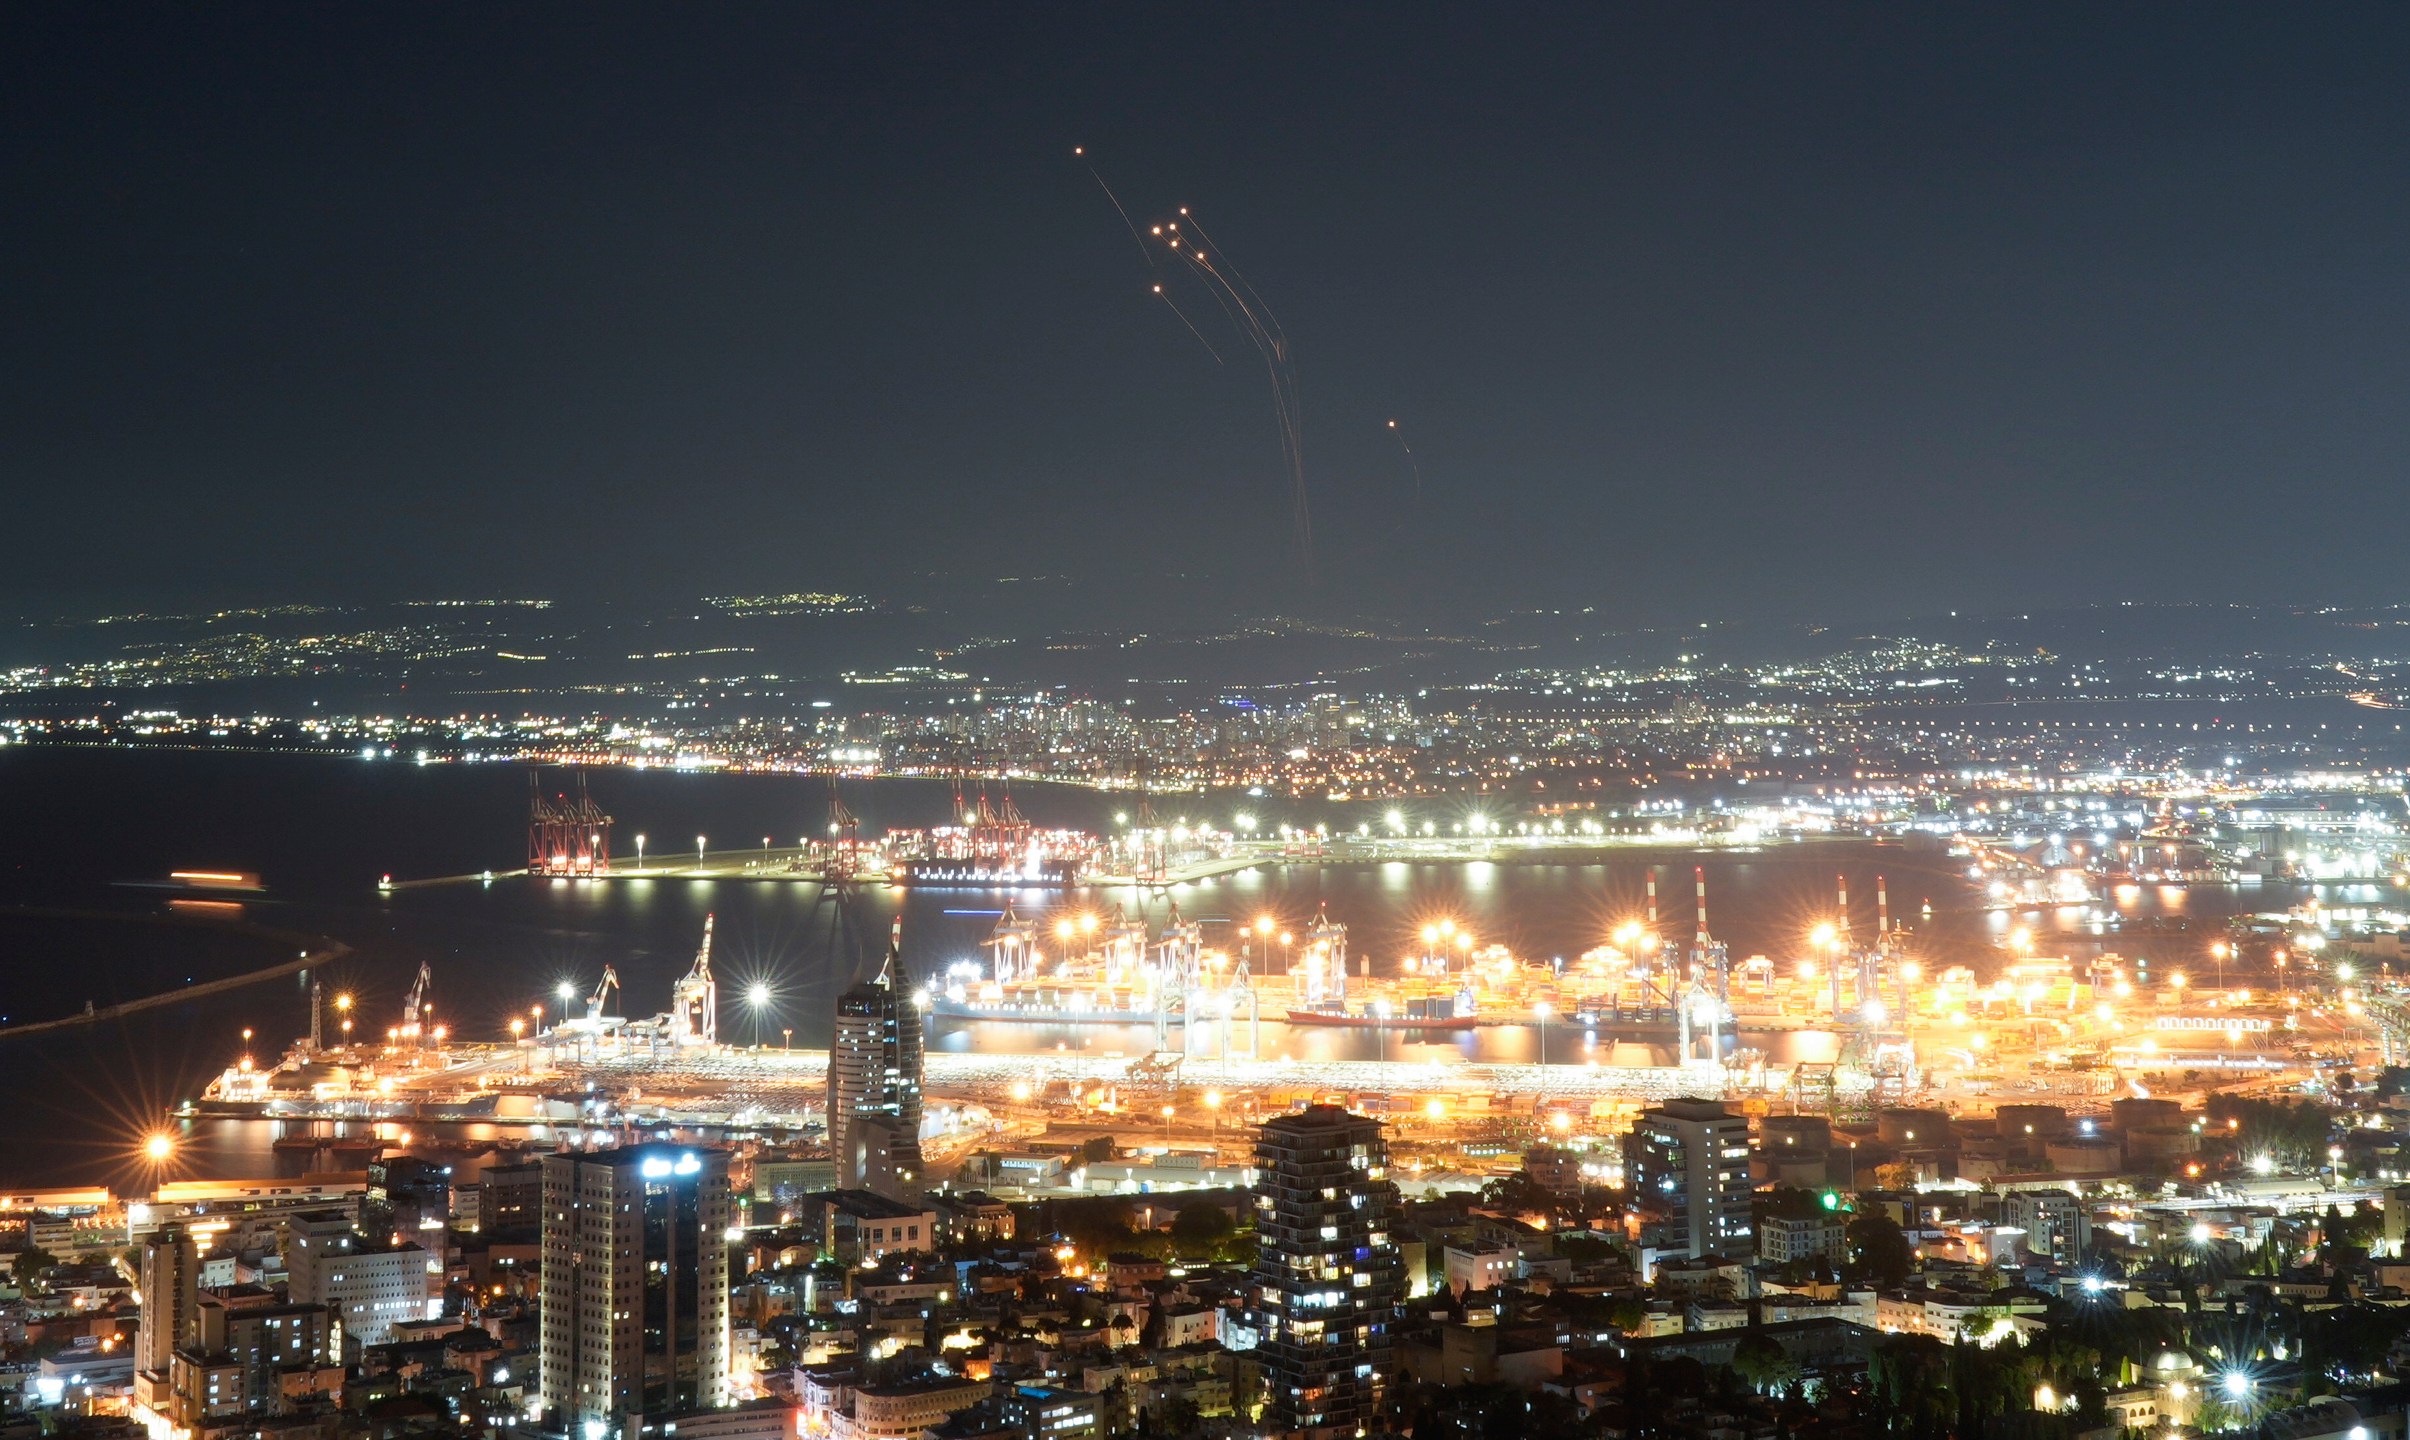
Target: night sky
{"type": "Point", "coordinates": [1688, 311]}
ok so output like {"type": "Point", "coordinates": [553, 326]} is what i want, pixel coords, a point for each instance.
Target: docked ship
{"type": "Point", "coordinates": [990, 844]}
{"type": "Point", "coordinates": [1087, 969]}
{"type": "Point", "coordinates": [1412, 1019]}
{"type": "Point", "coordinates": [1688, 996]}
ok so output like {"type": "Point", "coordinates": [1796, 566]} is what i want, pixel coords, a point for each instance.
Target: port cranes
{"type": "Point", "coordinates": [694, 1002]}
{"type": "Point", "coordinates": [601, 997]}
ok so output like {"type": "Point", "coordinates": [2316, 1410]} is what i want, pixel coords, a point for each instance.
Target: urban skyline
{"type": "Point", "coordinates": [934, 722]}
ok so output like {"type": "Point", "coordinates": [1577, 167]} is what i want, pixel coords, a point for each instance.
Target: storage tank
{"type": "Point", "coordinates": [1917, 1129]}
{"type": "Point", "coordinates": [2144, 1112]}
{"type": "Point", "coordinates": [1795, 1135]}
{"type": "Point", "coordinates": [2031, 1126]}
{"type": "Point", "coordinates": [2084, 1155]}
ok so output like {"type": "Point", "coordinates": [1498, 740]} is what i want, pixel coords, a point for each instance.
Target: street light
{"type": "Point", "coordinates": [698, 852]}
{"type": "Point", "coordinates": [640, 854]}
{"type": "Point", "coordinates": [757, 995]}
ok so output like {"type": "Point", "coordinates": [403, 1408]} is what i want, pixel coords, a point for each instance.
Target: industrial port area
{"type": "Point", "coordinates": [1178, 1034]}
{"type": "Point", "coordinates": [1777, 1018]}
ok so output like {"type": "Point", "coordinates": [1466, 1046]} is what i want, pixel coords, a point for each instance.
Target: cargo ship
{"type": "Point", "coordinates": [1044, 874]}
{"type": "Point", "coordinates": [1089, 969]}
{"type": "Point", "coordinates": [989, 845]}
{"type": "Point", "coordinates": [1642, 986]}
{"type": "Point", "coordinates": [1360, 1019]}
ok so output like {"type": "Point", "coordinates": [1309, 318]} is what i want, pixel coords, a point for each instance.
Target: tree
{"type": "Point", "coordinates": [1763, 1365]}
{"type": "Point", "coordinates": [2293, 1135]}
{"type": "Point", "coordinates": [1519, 1194]}
{"type": "Point", "coordinates": [1879, 1251]}
{"type": "Point", "coordinates": [1584, 1249]}
{"type": "Point", "coordinates": [1097, 1225]}
{"type": "Point", "coordinates": [1178, 1416]}
{"type": "Point", "coordinates": [2348, 1342]}
{"type": "Point", "coordinates": [1201, 1228]}
{"type": "Point", "coordinates": [30, 1264]}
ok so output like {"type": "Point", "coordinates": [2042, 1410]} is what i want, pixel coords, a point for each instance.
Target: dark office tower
{"type": "Point", "coordinates": [171, 1296]}
{"type": "Point", "coordinates": [874, 1079]}
{"type": "Point", "coordinates": [635, 1317]}
{"type": "Point", "coordinates": [1328, 1277]}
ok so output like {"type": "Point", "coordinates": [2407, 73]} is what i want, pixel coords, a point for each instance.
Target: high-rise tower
{"type": "Point", "coordinates": [1328, 1275]}
{"type": "Point", "coordinates": [1688, 1161]}
{"type": "Point", "coordinates": [874, 1080]}
{"type": "Point", "coordinates": [171, 1295]}
{"type": "Point", "coordinates": [635, 1316]}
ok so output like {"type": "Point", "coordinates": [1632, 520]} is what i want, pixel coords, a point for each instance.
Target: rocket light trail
{"type": "Point", "coordinates": [1411, 464]}
{"type": "Point", "coordinates": [1081, 152]}
{"type": "Point", "coordinates": [1255, 320]}
{"type": "Point", "coordinates": [1248, 313]}
{"type": "Point", "coordinates": [1192, 329]}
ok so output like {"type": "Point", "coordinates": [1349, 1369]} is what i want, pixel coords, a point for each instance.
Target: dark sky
{"type": "Point", "coordinates": [1689, 311]}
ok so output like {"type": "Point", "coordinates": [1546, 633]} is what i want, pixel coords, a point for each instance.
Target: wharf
{"type": "Point", "coordinates": [730, 1090]}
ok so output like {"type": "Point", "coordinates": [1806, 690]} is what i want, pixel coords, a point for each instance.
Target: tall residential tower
{"type": "Point", "coordinates": [171, 1297]}
{"type": "Point", "coordinates": [1328, 1274]}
